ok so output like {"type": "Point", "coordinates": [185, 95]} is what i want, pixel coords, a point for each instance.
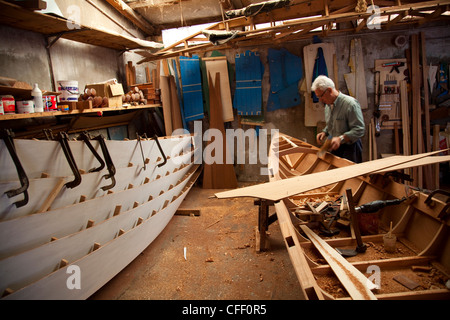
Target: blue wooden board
{"type": "Point", "coordinates": [192, 88]}
{"type": "Point", "coordinates": [285, 72]}
{"type": "Point", "coordinates": [248, 94]}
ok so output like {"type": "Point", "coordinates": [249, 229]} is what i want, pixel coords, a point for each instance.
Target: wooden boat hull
{"type": "Point", "coordinates": [299, 177]}
{"type": "Point", "coordinates": [73, 247]}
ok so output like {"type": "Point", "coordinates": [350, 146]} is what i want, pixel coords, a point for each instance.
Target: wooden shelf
{"type": "Point", "coordinates": [52, 26]}
{"type": "Point", "coordinates": [17, 116]}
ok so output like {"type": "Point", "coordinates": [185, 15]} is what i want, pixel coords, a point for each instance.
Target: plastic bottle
{"type": "Point", "coordinates": [36, 93]}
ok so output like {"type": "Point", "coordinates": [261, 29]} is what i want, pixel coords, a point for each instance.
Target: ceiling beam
{"type": "Point", "coordinates": [131, 15]}
{"type": "Point", "coordinates": [303, 27]}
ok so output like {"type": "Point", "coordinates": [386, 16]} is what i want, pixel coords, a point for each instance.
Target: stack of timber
{"type": "Point", "coordinates": [419, 221]}
{"type": "Point", "coordinates": [148, 92]}
{"type": "Point", "coordinates": [69, 229]}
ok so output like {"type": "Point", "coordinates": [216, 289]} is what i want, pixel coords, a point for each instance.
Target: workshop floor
{"type": "Point", "coordinates": [221, 261]}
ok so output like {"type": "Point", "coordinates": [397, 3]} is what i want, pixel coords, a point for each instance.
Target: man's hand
{"type": "Point", "coordinates": [320, 138]}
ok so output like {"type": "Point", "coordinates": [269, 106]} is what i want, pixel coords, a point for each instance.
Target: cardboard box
{"type": "Point", "coordinates": [113, 92]}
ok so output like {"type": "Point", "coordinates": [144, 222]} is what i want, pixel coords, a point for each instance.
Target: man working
{"type": "Point", "coordinates": [344, 120]}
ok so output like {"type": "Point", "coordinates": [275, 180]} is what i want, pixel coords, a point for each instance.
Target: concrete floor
{"type": "Point", "coordinates": [221, 261]}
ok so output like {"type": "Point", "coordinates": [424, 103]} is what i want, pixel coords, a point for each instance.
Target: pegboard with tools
{"type": "Point", "coordinates": [388, 74]}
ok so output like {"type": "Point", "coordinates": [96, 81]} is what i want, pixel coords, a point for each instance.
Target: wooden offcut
{"type": "Point", "coordinates": [218, 175]}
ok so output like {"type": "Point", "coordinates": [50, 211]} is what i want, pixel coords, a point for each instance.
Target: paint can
{"type": "Point", "coordinates": [25, 106]}
{"type": "Point", "coordinates": [69, 90]}
{"type": "Point", "coordinates": [9, 104]}
{"type": "Point", "coordinates": [50, 103]}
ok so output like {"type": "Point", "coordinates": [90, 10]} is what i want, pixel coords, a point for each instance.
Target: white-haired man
{"type": "Point", "coordinates": [344, 120]}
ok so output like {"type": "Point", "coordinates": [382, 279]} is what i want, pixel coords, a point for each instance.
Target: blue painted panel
{"type": "Point", "coordinates": [285, 72]}
{"type": "Point", "coordinates": [192, 88]}
{"type": "Point", "coordinates": [248, 94]}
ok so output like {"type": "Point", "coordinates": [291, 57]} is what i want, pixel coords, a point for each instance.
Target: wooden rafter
{"type": "Point", "coordinates": [397, 19]}
{"type": "Point", "coordinates": [131, 15]}
{"type": "Point", "coordinates": [304, 27]}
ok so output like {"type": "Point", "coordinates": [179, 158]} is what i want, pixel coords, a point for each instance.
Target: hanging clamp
{"type": "Point", "coordinates": [85, 137]}
{"type": "Point", "coordinates": [63, 139]}
{"type": "Point", "coordinates": [155, 137]}
{"type": "Point", "coordinates": [138, 137]}
{"type": "Point", "coordinates": [109, 163]}
{"type": "Point", "coordinates": [7, 136]}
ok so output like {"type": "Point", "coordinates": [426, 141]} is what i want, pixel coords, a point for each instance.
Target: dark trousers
{"type": "Point", "coordinates": [352, 152]}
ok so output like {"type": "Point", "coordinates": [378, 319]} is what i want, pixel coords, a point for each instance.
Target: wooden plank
{"type": "Point", "coordinates": [356, 284]}
{"type": "Point", "coordinates": [426, 110]}
{"type": "Point", "coordinates": [118, 253]}
{"type": "Point", "coordinates": [166, 103]}
{"type": "Point", "coordinates": [131, 15]}
{"type": "Point", "coordinates": [218, 172]}
{"type": "Point", "coordinates": [219, 65]}
{"type": "Point", "coordinates": [314, 112]}
{"type": "Point", "coordinates": [420, 162]}
{"type": "Point", "coordinates": [188, 212]}
{"type": "Point", "coordinates": [309, 287]}
{"type": "Point", "coordinates": [176, 116]}
{"type": "Point", "coordinates": [436, 129]}
{"type": "Point", "coordinates": [278, 190]}
{"type": "Point", "coordinates": [52, 160]}
{"type": "Point", "coordinates": [37, 229]}
{"type": "Point", "coordinates": [416, 107]}
{"type": "Point", "coordinates": [17, 17]}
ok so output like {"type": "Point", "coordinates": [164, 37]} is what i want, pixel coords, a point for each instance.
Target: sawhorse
{"type": "Point", "coordinates": [264, 220]}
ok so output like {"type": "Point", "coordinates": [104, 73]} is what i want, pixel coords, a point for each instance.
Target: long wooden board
{"type": "Point", "coordinates": [16, 268]}
{"type": "Point", "coordinates": [53, 162]}
{"type": "Point", "coordinates": [219, 65]}
{"type": "Point", "coordinates": [89, 188]}
{"type": "Point", "coordinates": [281, 189]}
{"type": "Point", "coordinates": [38, 229]}
{"type": "Point", "coordinates": [99, 266]}
{"type": "Point", "coordinates": [356, 284]}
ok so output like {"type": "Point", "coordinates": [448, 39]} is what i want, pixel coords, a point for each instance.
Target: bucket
{"type": "Point", "coordinates": [9, 104]}
{"type": "Point", "coordinates": [69, 90]}
{"type": "Point", "coordinates": [389, 241]}
{"type": "Point", "coordinates": [26, 106]}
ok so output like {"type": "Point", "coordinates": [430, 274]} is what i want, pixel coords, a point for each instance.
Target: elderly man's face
{"type": "Point", "coordinates": [324, 96]}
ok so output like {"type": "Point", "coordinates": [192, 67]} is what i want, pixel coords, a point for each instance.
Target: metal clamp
{"type": "Point", "coordinates": [138, 137]}
{"type": "Point", "coordinates": [428, 201]}
{"type": "Point", "coordinates": [63, 139]}
{"type": "Point", "coordinates": [155, 137]}
{"type": "Point", "coordinates": [109, 163]}
{"type": "Point", "coordinates": [85, 137]}
{"type": "Point", "coordinates": [7, 136]}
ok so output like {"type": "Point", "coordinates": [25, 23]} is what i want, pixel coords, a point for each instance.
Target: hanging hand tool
{"type": "Point", "coordinates": [394, 65]}
{"type": "Point", "coordinates": [109, 164]}
{"type": "Point", "coordinates": [155, 137]}
{"type": "Point", "coordinates": [63, 139]}
{"type": "Point", "coordinates": [85, 137]}
{"type": "Point", "coordinates": [7, 136]}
